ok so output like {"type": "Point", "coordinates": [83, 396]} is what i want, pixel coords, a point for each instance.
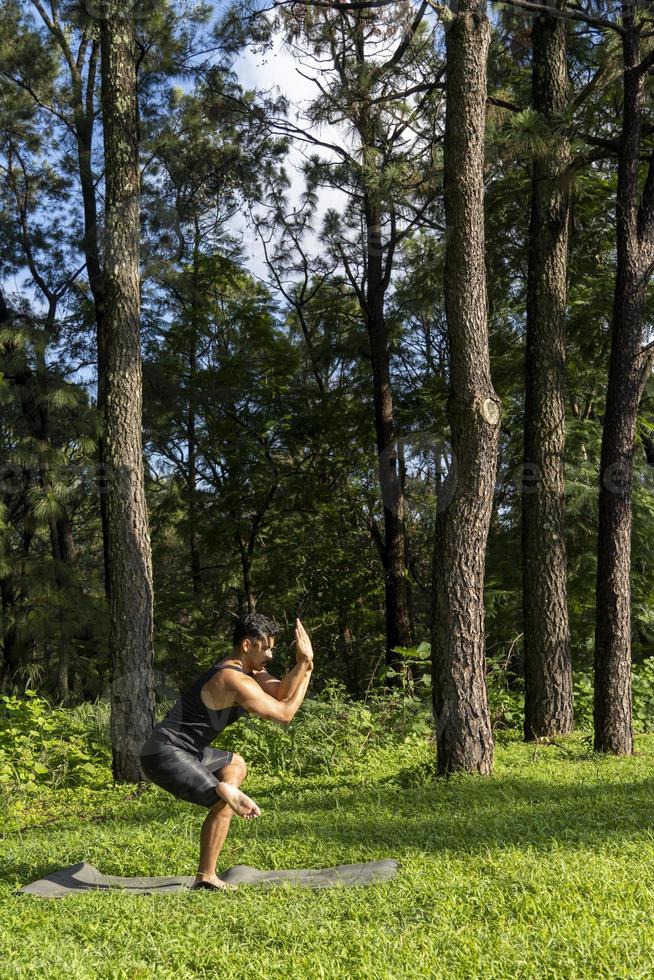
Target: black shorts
{"type": "Point", "coordinates": [183, 774]}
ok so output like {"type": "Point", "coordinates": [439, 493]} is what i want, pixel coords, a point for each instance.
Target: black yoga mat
{"type": "Point", "coordinates": [84, 877]}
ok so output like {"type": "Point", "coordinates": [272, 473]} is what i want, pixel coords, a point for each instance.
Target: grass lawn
{"type": "Point", "coordinates": [545, 869]}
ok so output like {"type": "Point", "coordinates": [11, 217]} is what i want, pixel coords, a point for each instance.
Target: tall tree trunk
{"type": "Point", "coordinates": [191, 417]}
{"type": "Point", "coordinates": [84, 122]}
{"type": "Point", "coordinates": [464, 735]}
{"type": "Point", "coordinates": [66, 552]}
{"type": "Point", "coordinates": [61, 537]}
{"type": "Point", "coordinates": [548, 665]}
{"type": "Point", "coordinates": [378, 267]}
{"type": "Point", "coordinates": [192, 479]}
{"type": "Point", "coordinates": [629, 369]}
{"type": "Point", "coordinates": [130, 564]}
{"type": "Point", "coordinates": [246, 545]}
{"type": "Point", "coordinates": [397, 610]}
{"type": "Point", "coordinates": [9, 661]}
{"type": "Point", "coordinates": [83, 105]}
{"type": "Point", "coordinates": [246, 567]}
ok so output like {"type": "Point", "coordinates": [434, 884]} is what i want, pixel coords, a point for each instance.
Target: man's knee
{"type": "Point", "coordinates": [239, 762]}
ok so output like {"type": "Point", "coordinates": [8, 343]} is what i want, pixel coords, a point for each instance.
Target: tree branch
{"type": "Point", "coordinates": [551, 11]}
{"type": "Point", "coordinates": [409, 34]}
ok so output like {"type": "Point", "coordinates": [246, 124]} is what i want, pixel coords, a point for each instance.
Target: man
{"type": "Point", "coordinates": [178, 756]}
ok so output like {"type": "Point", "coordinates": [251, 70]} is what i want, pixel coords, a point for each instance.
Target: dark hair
{"type": "Point", "coordinates": [256, 626]}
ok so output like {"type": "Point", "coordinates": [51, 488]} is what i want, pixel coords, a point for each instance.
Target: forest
{"type": "Point", "coordinates": [296, 430]}
{"type": "Point", "coordinates": [338, 310]}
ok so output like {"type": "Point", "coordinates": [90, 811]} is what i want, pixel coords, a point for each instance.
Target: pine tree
{"type": "Point", "coordinates": [130, 564]}
{"type": "Point", "coordinates": [464, 735]}
{"type": "Point", "coordinates": [548, 666]}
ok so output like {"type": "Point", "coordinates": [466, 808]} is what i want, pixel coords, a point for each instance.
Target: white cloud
{"type": "Point", "coordinates": [276, 71]}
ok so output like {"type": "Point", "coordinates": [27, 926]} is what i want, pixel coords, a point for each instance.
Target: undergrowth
{"type": "Point", "coordinates": [45, 745]}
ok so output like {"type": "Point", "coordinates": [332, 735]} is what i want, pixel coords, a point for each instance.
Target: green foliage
{"type": "Point", "coordinates": [415, 676]}
{"type": "Point", "coordinates": [505, 694]}
{"type": "Point", "coordinates": [643, 695]}
{"type": "Point", "coordinates": [44, 745]}
{"type": "Point", "coordinates": [271, 388]}
{"type": "Point", "coordinates": [331, 732]}
{"type": "Point", "coordinates": [506, 700]}
{"type": "Point", "coordinates": [582, 685]}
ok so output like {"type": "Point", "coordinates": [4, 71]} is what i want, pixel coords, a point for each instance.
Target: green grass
{"type": "Point", "coordinates": [545, 869]}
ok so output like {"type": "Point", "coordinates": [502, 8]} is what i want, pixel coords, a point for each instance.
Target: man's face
{"type": "Point", "coordinates": [261, 651]}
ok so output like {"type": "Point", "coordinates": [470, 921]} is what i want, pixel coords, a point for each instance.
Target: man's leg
{"type": "Point", "coordinates": [216, 825]}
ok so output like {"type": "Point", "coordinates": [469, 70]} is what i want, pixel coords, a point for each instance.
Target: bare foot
{"type": "Point", "coordinates": [239, 802]}
{"type": "Point", "coordinates": [212, 883]}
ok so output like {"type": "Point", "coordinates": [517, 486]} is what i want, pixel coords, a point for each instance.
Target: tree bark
{"type": "Point", "coordinates": [629, 368]}
{"type": "Point", "coordinates": [397, 610]}
{"type": "Point", "coordinates": [378, 263]}
{"type": "Point", "coordinates": [191, 417]}
{"type": "Point", "coordinates": [548, 665]}
{"type": "Point", "coordinates": [130, 564]}
{"type": "Point", "coordinates": [84, 122]}
{"type": "Point", "coordinates": [464, 735]}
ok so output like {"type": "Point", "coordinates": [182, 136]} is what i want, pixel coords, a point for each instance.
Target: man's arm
{"type": "Point", "coordinates": [280, 689]}
{"type": "Point", "coordinates": [255, 701]}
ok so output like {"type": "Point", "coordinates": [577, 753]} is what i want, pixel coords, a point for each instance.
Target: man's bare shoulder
{"type": "Point", "coordinates": [222, 690]}
{"type": "Point", "coordinates": [226, 679]}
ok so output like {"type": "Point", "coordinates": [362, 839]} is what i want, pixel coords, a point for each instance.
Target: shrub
{"type": "Point", "coordinates": [72, 747]}
{"type": "Point", "coordinates": [41, 744]}
{"type": "Point", "coordinates": [506, 696]}
{"type": "Point", "coordinates": [330, 731]}
{"type": "Point", "coordinates": [643, 695]}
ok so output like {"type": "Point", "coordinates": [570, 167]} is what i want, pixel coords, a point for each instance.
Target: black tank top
{"type": "Point", "coordinates": [190, 724]}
